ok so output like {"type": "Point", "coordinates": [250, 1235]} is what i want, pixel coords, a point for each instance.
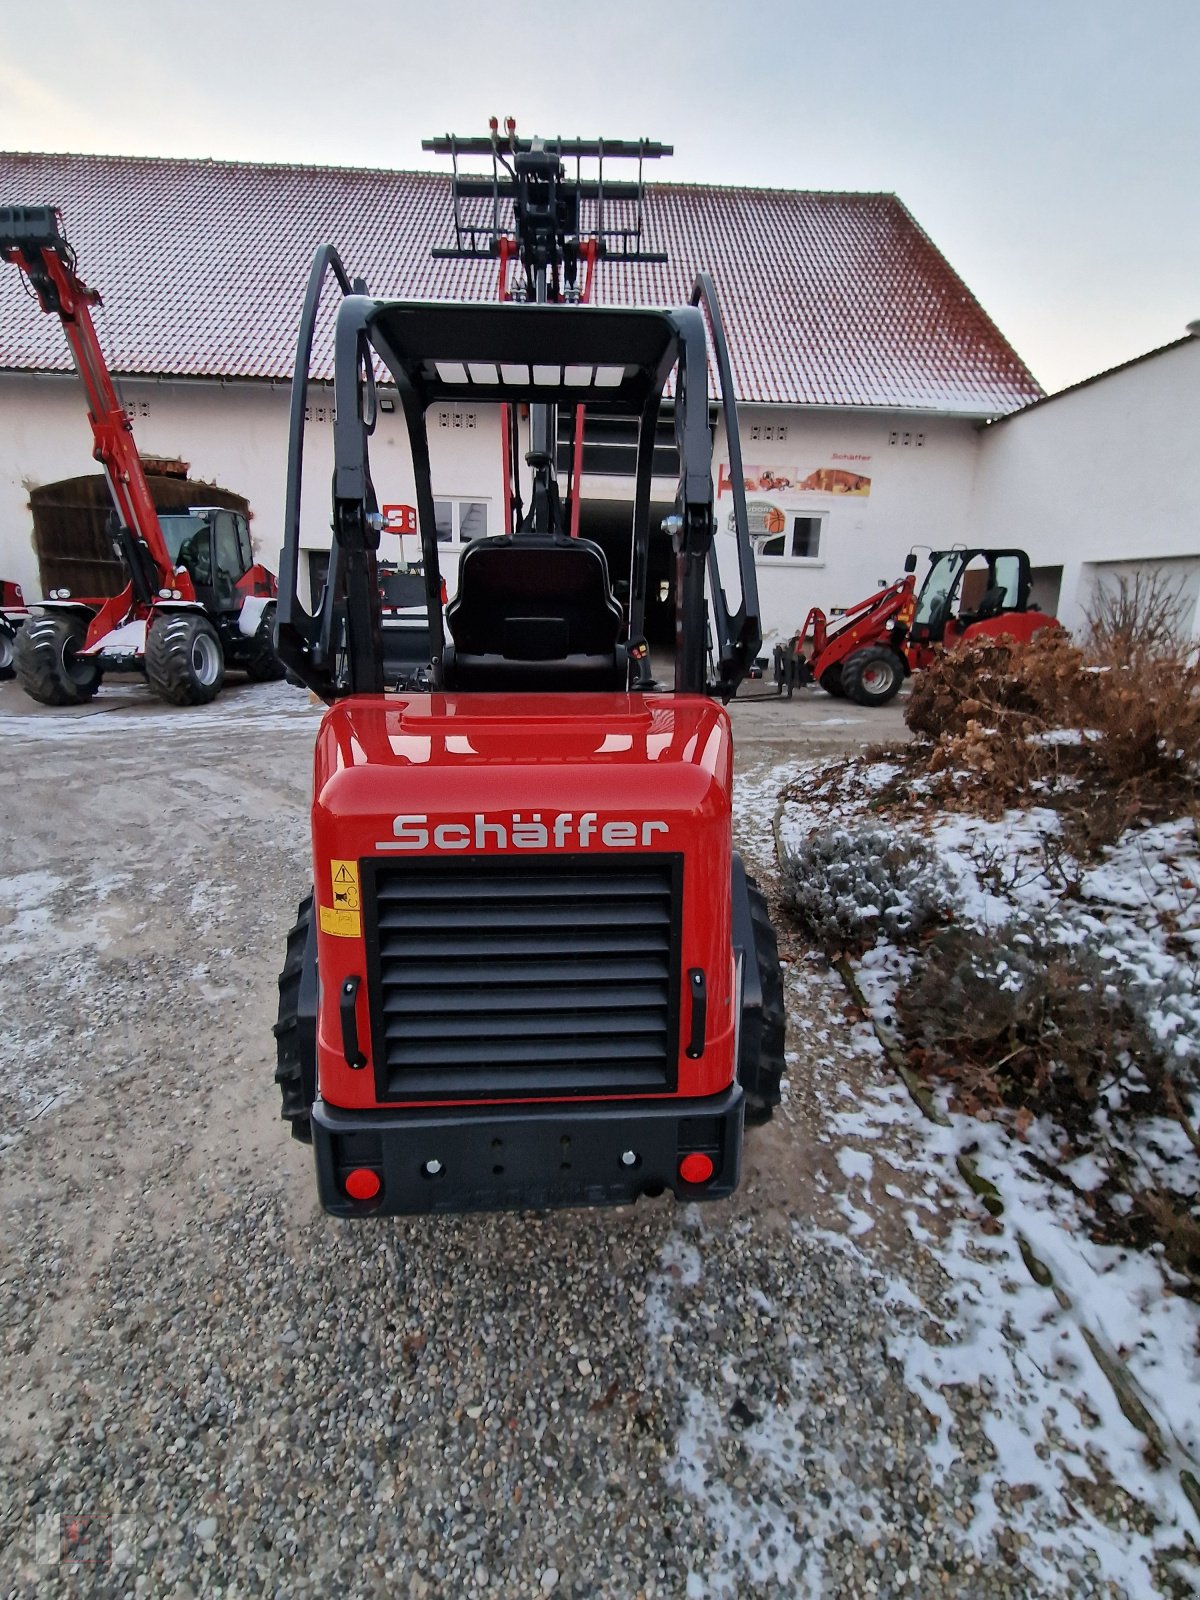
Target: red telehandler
{"type": "Point", "coordinates": [196, 598]}
{"type": "Point", "coordinates": [532, 970]}
{"type": "Point", "coordinates": [14, 614]}
{"type": "Point", "coordinates": [867, 652]}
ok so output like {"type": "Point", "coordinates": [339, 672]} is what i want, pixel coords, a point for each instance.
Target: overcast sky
{"type": "Point", "coordinates": [1051, 148]}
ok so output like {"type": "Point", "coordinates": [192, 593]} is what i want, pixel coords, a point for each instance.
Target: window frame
{"type": "Point", "coordinates": [819, 515]}
{"type": "Point", "coordinates": [458, 504]}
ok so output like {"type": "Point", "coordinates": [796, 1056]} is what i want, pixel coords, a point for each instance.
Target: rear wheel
{"type": "Point", "coordinates": [761, 1079]}
{"type": "Point", "coordinates": [8, 636]}
{"type": "Point", "coordinates": [47, 662]}
{"type": "Point", "coordinates": [184, 660]}
{"type": "Point", "coordinates": [873, 676]}
{"type": "Point", "coordinates": [262, 664]}
{"type": "Point", "coordinates": [297, 1091]}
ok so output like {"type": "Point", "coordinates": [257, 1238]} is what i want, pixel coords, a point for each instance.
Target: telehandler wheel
{"type": "Point", "coordinates": [184, 660]}
{"type": "Point", "coordinates": [873, 676]}
{"type": "Point", "coordinates": [48, 664]}
{"type": "Point", "coordinates": [296, 1093]}
{"type": "Point", "coordinates": [761, 1079]}
{"type": "Point", "coordinates": [8, 636]}
{"type": "Point", "coordinates": [831, 681]}
{"type": "Point", "coordinates": [262, 664]}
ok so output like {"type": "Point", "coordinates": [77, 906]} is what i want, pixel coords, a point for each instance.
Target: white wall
{"type": "Point", "coordinates": [920, 494]}
{"type": "Point", "coordinates": [1109, 472]}
{"type": "Point", "coordinates": [234, 435]}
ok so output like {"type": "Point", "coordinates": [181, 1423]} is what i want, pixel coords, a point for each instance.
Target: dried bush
{"type": "Point", "coordinates": [848, 888]}
{"type": "Point", "coordinates": [1016, 1018]}
{"type": "Point", "coordinates": [995, 682]}
{"type": "Point", "coordinates": [1043, 723]}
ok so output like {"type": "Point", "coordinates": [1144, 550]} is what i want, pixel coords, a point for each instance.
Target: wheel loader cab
{"type": "Point", "coordinates": [965, 587]}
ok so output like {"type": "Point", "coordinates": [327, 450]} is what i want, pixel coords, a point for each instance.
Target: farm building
{"type": "Point", "coordinates": [868, 378]}
{"type": "Point", "coordinates": [1103, 481]}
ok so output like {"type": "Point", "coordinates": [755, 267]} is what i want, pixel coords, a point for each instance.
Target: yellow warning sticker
{"type": "Point", "coordinates": [342, 924]}
{"type": "Point", "coordinates": [345, 885]}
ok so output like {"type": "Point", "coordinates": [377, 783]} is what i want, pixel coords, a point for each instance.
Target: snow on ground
{"type": "Point", "coordinates": [1055, 1422]}
{"type": "Point", "coordinates": [130, 708]}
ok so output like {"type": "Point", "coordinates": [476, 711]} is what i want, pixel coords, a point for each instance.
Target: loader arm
{"type": "Point", "coordinates": [31, 238]}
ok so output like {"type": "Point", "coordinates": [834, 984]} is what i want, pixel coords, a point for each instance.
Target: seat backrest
{"type": "Point", "coordinates": [529, 598]}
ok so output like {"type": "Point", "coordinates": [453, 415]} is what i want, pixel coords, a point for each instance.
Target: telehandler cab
{"type": "Point", "coordinates": [532, 971]}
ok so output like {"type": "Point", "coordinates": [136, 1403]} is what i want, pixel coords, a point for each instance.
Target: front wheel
{"type": "Point", "coordinates": [8, 635]}
{"type": "Point", "coordinates": [184, 660]}
{"type": "Point", "coordinates": [873, 676]}
{"type": "Point", "coordinates": [293, 1061]}
{"type": "Point", "coordinates": [761, 1077]}
{"type": "Point", "coordinates": [262, 664]}
{"type": "Point", "coordinates": [831, 681]}
{"type": "Point", "coordinates": [48, 664]}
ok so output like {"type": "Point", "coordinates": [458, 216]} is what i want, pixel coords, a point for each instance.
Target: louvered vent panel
{"type": "Point", "coordinates": [544, 978]}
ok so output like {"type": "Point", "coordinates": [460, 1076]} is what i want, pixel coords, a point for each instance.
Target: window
{"type": "Point", "coordinates": [318, 571]}
{"type": "Point", "coordinates": [228, 556]}
{"type": "Point", "coordinates": [461, 519]}
{"type": "Point", "coordinates": [244, 545]}
{"type": "Point", "coordinates": [799, 541]}
{"type": "Point", "coordinates": [472, 520]}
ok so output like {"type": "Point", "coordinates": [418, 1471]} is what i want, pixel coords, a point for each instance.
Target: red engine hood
{"type": "Point", "coordinates": [440, 775]}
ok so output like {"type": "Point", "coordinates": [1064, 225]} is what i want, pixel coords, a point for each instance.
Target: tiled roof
{"type": "Point", "coordinates": [829, 299]}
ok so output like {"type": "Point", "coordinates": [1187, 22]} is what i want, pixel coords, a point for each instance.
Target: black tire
{"type": "Point", "coordinates": [296, 1090]}
{"type": "Point", "coordinates": [831, 681]}
{"type": "Point", "coordinates": [8, 636]}
{"type": "Point", "coordinates": [761, 1079]}
{"type": "Point", "coordinates": [262, 664]}
{"type": "Point", "coordinates": [184, 660]}
{"type": "Point", "coordinates": [47, 662]}
{"type": "Point", "coordinates": [873, 676]}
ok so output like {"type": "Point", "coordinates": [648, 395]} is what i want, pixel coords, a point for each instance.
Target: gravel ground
{"type": "Point", "coordinates": [659, 1401]}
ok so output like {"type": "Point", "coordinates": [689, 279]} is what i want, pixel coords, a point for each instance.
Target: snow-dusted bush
{"type": "Point", "coordinates": [1044, 1014]}
{"type": "Point", "coordinates": [848, 888]}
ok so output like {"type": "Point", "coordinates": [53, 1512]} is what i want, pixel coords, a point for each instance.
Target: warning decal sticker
{"type": "Point", "coordinates": [342, 919]}
{"type": "Point", "coordinates": [345, 885]}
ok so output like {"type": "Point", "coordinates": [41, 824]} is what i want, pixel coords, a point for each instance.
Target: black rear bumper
{"type": "Point", "coordinates": [499, 1158]}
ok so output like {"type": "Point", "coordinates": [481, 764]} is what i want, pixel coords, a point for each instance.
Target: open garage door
{"type": "Point", "coordinates": [608, 523]}
{"type": "Point", "coordinates": [71, 522]}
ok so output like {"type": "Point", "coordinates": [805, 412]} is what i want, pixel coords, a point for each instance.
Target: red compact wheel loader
{"type": "Point", "coordinates": [196, 599]}
{"type": "Point", "coordinates": [532, 970]}
{"type": "Point", "coordinates": [867, 652]}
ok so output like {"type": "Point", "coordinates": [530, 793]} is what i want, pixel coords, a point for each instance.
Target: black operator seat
{"type": "Point", "coordinates": [534, 612]}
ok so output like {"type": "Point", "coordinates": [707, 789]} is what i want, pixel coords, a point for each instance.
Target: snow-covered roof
{"type": "Point", "coordinates": [829, 299]}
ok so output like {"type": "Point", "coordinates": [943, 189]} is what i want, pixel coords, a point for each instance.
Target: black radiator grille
{"type": "Point", "coordinates": [556, 977]}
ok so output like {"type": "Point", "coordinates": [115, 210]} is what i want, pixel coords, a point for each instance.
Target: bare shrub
{"type": "Point", "coordinates": [848, 888]}
{"type": "Point", "coordinates": [1138, 619]}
